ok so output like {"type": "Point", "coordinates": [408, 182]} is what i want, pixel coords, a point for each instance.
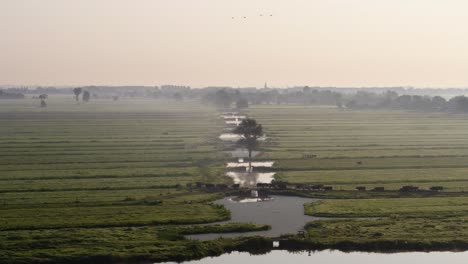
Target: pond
{"type": "Point", "coordinates": [335, 257]}
{"type": "Point", "coordinates": [285, 215]}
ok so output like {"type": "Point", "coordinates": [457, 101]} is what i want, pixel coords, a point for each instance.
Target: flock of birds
{"type": "Point", "coordinates": [244, 17]}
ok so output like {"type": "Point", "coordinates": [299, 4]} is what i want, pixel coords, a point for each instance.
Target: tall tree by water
{"type": "Point", "coordinates": [250, 131]}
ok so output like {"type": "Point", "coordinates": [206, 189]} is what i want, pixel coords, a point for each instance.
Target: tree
{"type": "Point", "coordinates": [86, 96]}
{"type": "Point", "coordinates": [222, 99]}
{"type": "Point", "coordinates": [439, 102]}
{"type": "Point", "coordinates": [77, 92]}
{"type": "Point", "coordinates": [458, 104]}
{"type": "Point", "coordinates": [250, 131]}
{"type": "Point", "coordinates": [242, 103]}
{"type": "Point", "coordinates": [43, 97]}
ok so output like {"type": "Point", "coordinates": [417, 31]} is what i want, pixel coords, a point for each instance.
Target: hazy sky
{"type": "Point", "coordinates": [196, 42]}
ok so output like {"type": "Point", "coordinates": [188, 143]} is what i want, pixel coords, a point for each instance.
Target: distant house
{"type": "Point", "coordinates": [378, 189]}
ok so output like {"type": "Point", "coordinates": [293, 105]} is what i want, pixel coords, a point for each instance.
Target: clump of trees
{"type": "Point", "coordinates": [242, 103]}
{"type": "Point", "coordinates": [7, 95]}
{"type": "Point", "coordinates": [391, 100]}
{"type": "Point", "coordinates": [86, 96]}
{"type": "Point", "coordinates": [178, 97]}
{"type": "Point", "coordinates": [220, 98]}
{"type": "Point", "coordinates": [77, 91]}
{"type": "Point", "coordinates": [43, 97]}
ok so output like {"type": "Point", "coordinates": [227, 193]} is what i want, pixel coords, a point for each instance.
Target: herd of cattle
{"type": "Point", "coordinates": [280, 185]}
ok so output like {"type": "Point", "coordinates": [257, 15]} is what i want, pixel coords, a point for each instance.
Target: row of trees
{"type": "Point", "coordinates": [226, 98]}
{"type": "Point", "coordinates": [7, 95]}
{"type": "Point", "coordinates": [242, 98]}
{"type": "Point", "coordinates": [391, 100]}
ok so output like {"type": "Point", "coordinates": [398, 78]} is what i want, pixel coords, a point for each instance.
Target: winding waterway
{"type": "Point", "coordinates": [285, 215]}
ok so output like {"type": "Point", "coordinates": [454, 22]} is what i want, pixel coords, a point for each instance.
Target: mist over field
{"type": "Point", "coordinates": [248, 131]}
{"type": "Point", "coordinates": [112, 173]}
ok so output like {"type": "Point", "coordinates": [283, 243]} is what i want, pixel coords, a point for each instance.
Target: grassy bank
{"type": "Point", "coordinates": [110, 245]}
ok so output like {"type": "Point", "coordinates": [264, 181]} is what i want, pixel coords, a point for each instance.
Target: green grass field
{"type": "Point", "coordinates": [82, 168]}
{"type": "Point", "coordinates": [387, 149]}
{"type": "Point", "coordinates": [366, 148]}
{"type": "Point", "coordinates": [107, 179]}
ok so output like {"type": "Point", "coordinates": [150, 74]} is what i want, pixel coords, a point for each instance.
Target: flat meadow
{"type": "Point", "coordinates": [107, 179]}
{"type": "Point", "coordinates": [76, 167]}
{"type": "Point", "coordinates": [348, 149]}
{"type": "Point", "coordinates": [366, 148]}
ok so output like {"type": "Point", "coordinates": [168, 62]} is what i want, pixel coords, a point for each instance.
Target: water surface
{"type": "Point", "coordinates": [335, 257]}
{"type": "Point", "coordinates": [285, 215]}
{"type": "Point", "coordinates": [268, 164]}
{"type": "Point", "coordinates": [250, 180]}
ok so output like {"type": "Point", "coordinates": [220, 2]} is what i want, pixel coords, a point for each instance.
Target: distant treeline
{"type": "Point", "coordinates": [9, 95]}
{"type": "Point", "coordinates": [359, 100]}
{"type": "Point", "coordinates": [391, 100]}
{"type": "Point", "coordinates": [226, 97]}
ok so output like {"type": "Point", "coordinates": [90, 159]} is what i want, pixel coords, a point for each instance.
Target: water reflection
{"type": "Point", "coordinates": [285, 215]}
{"type": "Point", "coordinates": [230, 137]}
{"type": "Point", "coordinates": [334, 257]}
{"type": "Point", "coordinates": [268, 164]}
{"type": "Point", "coordinates": [235, 137]}
{"type": "Point", "coordinates": [243, 153]}
{"type": "Point", "coordinates": [250, 180]}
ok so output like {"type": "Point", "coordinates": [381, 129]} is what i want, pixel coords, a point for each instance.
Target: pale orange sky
{"type": "Point", "coordinates": [196, 42]}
